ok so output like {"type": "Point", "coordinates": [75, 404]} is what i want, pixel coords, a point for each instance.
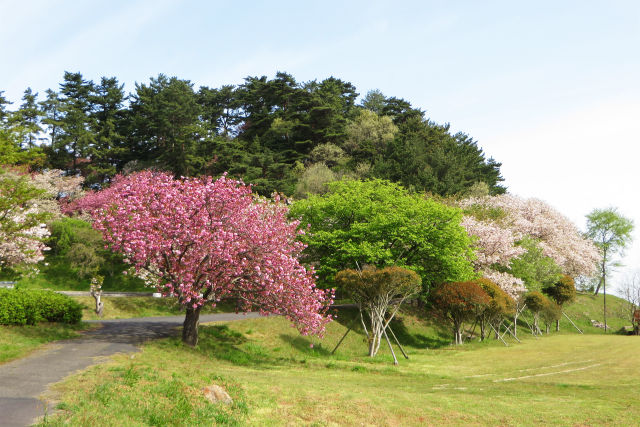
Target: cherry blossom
{"type": "Point", "coordinates": [202, 240]}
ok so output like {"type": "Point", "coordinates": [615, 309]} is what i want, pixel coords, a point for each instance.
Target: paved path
{"type": "Point", "coordinates": [22, 381]}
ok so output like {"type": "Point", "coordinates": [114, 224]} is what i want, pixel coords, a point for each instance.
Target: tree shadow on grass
{"type": "Point", "coordinates": [220, 342]}
{"type": "Point", "coordinates": [441, 338]}
{"type": "Point", "coordinates": [304, 345]}
{"type": "Point", "coordinates": [350, 317]}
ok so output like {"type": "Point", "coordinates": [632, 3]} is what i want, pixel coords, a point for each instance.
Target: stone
{"type": "Point", "coordinates": [214, 394]}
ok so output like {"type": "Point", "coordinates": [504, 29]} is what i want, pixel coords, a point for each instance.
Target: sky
{"type": "Point", "coordinates": [551, 89]}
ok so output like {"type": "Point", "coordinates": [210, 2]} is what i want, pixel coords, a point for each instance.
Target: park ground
{"type": "Point", "coordinates": [276, 376]}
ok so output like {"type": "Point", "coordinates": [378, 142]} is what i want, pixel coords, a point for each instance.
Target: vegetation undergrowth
{"type": "Point", "coordinates": [276, 376]}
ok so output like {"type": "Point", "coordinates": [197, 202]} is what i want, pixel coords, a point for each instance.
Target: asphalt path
{"type": "Point", "coordinates": [24, 381]}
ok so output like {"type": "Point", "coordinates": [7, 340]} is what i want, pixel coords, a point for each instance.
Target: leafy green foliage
{"type": "Point", "coordinates": [611, 233]}
{"type": "Point", "coordinates": [78, 253]}
{"type": "Point", "coordinates": [563, 291]}
{"type": "Point", "coordinates": [533, 267]}
{"type": "Point", "coordinates": [379, 223]}
{"type": "Point", "coordinates": [535, 301]}
{"type": "Point", "coordinates": [28, 307]}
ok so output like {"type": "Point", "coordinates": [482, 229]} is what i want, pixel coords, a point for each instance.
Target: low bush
{"type": "Point", "coordinates": [28, 307]}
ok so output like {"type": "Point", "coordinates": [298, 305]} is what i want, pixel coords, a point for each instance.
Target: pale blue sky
{"type": "Point", "coordinates": [549, 88]}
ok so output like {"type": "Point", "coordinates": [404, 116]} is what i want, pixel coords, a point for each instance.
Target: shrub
{"type": "Point", "coordinates": [28, 307]}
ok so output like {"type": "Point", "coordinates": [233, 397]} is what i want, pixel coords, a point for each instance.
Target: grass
{"type": "Point", "coordinates": [277, 377]}
{"type": "Point", "coordinates": [128, 307]}
{"type": "Point", "coordinates": [588, 307]}
{"type": "Point", "coordinates": [19, 341]}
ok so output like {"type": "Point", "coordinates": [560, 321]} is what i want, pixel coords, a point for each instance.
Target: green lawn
{"type": "Point", "coordinates": [128, 307]}
{"type": "Point", "coordinates": [18, 341]}
{"type": "Point", "coordinates": [276, 378]}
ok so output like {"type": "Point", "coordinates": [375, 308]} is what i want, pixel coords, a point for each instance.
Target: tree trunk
{"type": "Point", "coordinates": [604, 294]}
{"type": "Point", "coordinates": [190, 326]}
{"type": "Point", "coordinates": [557, 325]}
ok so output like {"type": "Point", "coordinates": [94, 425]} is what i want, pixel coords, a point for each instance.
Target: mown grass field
{"type": "Point", "coordinates": [276, 377]}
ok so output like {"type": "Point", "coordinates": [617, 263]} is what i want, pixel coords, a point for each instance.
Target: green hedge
{"type": "Point", "coordinates": [28, 307]}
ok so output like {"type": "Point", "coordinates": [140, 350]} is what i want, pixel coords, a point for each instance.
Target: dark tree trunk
{"type": "Point", "coordinates": [190, 326]}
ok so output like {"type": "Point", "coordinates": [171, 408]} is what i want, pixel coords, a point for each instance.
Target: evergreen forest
{"type": "Point", "coordinates": [278, 134]}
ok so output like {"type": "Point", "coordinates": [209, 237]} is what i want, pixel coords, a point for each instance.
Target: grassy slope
{"type": "Point", "coordinates": [276, 377]}
{"type": "Point", "coordinates": [588, 307]}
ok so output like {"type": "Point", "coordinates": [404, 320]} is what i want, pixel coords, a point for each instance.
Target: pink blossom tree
{"type": "Point", "coordinates": [495, 245]}
{"type": "Point", "coordinates": [202, 240]}
{"type": "Point", "coordinates": [557, 236]}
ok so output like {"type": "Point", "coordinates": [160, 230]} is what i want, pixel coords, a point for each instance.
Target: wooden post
{"type": "Point", "coordinates": [397, 342]}
{"type": "Point", "coordinates": [574, 325]}
{"type": "Point", "coordinates": [341, 339]}
{"type": "Point", "coordinates": [494, 330]}
{"type": "Point", "coordinates": [395, 359]}
{"type": "Point", "coordinates": [511, 333]}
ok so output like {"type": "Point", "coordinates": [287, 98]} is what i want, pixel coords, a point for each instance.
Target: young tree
{"type": "Point", "coordinates": [536, 303]}
{"type": "Point", "coordinates": [562, 292]}
{"type": "Point", "coordinates": [550, 313]}
{"type": "Point", "coordinates": [500, 306]}
{"type": "Point", "coordinates": [379, 223]}
{"type": "Point", "coordinates": [202, 240]}
{"type": "Point", "coordinates": [611, 232]}
{"type": "Point", "coordinates": [459, 302]}
{"type": "Point", "coordinates": [375, 291]}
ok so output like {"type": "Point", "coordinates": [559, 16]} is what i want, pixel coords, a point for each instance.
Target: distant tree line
{"type": "Point", "coordinates": [278, 134]}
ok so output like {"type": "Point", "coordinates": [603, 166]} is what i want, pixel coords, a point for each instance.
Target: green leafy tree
{"type": "Point", "coordinates": [374, 101]}
{"type": "Point", "coordinates": [379, 223]}
{"type": "Point", "coordinates": [550, 313]}
{"type": "Point", "coordinates": [535, 269]}
{"type": "Point", "coordinates": [368, 135]}
{"type": "Point", "coordinates": [611, 233]}
{"type": "Point", "coordinates": [314, 180]}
